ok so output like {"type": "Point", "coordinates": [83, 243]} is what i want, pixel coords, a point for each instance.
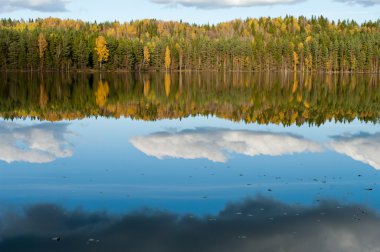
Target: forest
{"type": "Point", "coordinates": [294, 44]}
{"type": "Point", "coordinates": [262, 98]}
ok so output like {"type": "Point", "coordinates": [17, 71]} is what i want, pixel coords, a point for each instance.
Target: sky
{"type": "Point", "coordinates": [192, 11]}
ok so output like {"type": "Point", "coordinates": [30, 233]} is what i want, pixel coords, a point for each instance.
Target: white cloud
{"type": "Point", "coordinates": [36, 5]}
{"type": "Point", "coordinates": [215, 144]}
{"type": "Point", "coordinates": [41, 143]}
{"type": "Point", "coordinates": [362, 147]}
{"type": "Point", "coordinates": [361, 2]}
{"type": "Point", "coordinates": [223, 3]}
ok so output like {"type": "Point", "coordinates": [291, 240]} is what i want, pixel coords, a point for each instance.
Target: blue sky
{"type": "Point", "coordinates": [193, 11]}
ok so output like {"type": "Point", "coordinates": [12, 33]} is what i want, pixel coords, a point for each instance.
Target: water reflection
{"type": "Point", "coordinates": [253, 98]}
{"type": "Point", "coordinates": [363, 147]}
{"type": "Point", "coordinates": [40, 143]}
{"type": "Point", "coordinates": [111, 176]}
{"type": "Point", "coordinates": [215, 144]}
{"type": "Point", "coordinates": [260, 224]}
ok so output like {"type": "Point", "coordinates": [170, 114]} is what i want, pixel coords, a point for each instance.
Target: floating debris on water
{"type": "Point", "coordinates": [92, 240]}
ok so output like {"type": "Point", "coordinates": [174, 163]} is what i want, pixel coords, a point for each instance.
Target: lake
{"type": "Point", "coordinates": [189, 162]}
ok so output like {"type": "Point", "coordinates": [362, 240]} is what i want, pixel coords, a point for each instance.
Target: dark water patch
{"type": "Point", "coordinates": [259, 224]}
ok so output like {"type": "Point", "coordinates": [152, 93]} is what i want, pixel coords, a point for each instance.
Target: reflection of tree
{"type": "Point", "coordinates": [102, 93]}
{"type": "Point", "coordinates": [43, 96]}
{"type": "Point", "coordinates": [281, 99]}
{"type": "Point", "coordinates": [167, 84]}
{"type": "Point", "coordinates": [146, 87]}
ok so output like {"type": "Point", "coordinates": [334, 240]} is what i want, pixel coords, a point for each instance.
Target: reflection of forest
{"type": "Point", "coordinates": [262, 98]}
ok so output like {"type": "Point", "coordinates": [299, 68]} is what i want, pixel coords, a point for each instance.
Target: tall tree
{"type": "Point", "coordinates": [101, 50]}
{"type": "Point", "coordinates": [146, 56]}
{"type": "Point", "coordinates": [42, 46]}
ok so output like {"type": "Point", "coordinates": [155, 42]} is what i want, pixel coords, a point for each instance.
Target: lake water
{"type": "Point", "coordinates": [189, 162]}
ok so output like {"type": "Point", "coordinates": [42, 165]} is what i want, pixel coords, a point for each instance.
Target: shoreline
{"type": "Point", "coordinates": [95, 71]}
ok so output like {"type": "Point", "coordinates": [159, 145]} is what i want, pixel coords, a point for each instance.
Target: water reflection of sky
{"type": "Point", "coordinates": [39, 143]}
{"type": "Point", "coordinates": [215, 143]}
{"type": "Point", "coordinates": [194, 165]}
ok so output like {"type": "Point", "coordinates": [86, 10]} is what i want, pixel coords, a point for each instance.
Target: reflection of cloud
{"type": "Point", "coordinates": [37, 5]}
{"type": "Point", "coordinates": [40, 143]}
{"type": "Point", "coordinates": [361, 147]}
{"type": "Point", "coordinates": [214, 144]}
{"type": "Point", "coordinates": [223, 3]}
{"type": "Point", "coordinates": [361, 2]}
{"type": "Point", "coordinates": [253, 225]}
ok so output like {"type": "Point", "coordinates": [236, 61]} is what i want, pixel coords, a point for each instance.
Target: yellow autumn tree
{"type": "Point", "coordinates": [101, 50]}
{"type": "Point", "coordinates": [308, 39]}
{"type": "Point", "coordinates": [167, 58]}
{"type": "Point", "coordinates": [296, 26]}
{"type": "Point", "coordinates": [42, 46]}
{"type": "Point", "coordinates": [146, 55]}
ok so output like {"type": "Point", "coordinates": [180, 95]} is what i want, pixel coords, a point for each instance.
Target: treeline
{"type": "Point", "coordinates": [264, 44]}
{"type": "Point", "coordinates": [253, 98]}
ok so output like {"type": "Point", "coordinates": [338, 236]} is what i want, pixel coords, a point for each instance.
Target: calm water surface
{"type": "Point", "coordinates": [189, 162]}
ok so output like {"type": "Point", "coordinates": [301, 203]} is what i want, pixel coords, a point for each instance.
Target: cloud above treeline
{"type": "Point", "coordinates": [61, 5]}
{"type": "Point", "coordinates": [255, 224]}
{"type": "Point", "coordinates": [360, 2]}
{"type": "Point", "coordinates": [214, 4]}
{"type": "Point", "coordinates": [223, 3]}
{"type": "Point", "coordinates": [215, 144]}
{"type": "Point", "coordinates": [35, 5]}
{"type": "Point", "coordinates": [40, 143]}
